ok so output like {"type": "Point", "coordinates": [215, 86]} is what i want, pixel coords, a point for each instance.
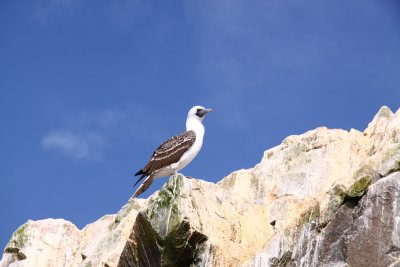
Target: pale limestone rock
{"type": "Point", "coordinates": [104, 239]}
{"type": "Point", "coordinates": [58, 242]}
{"type": "Point", "coordinates": [275, 214]}
{"type": "Point", "coordinates": [38, 243]}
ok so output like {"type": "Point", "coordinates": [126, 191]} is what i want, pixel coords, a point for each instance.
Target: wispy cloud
{"type": "Point", "coordinates": [85, 135]}
{"type": "Point", "coordinates": [88, 134]}
{"type": "Point", "coordinates": [78, 146]}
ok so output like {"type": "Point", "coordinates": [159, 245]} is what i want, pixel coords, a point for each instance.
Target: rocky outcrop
{"type": "Point", "coordinates": [363, 231]}
{"type": "Point", "coordinates": [327, 197]}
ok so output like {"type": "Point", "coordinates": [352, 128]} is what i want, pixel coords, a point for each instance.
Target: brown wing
{"type": "Point", "coordinates": [170, 152]}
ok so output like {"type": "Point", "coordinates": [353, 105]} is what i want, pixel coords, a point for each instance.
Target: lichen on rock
{"type": "Point", "coordinates": [359, 186]}
{"type": "Point", "coordinates": [163, 208]}
{"type": "Point", "coordinates": [17, 242]}
{"type": "Point", "coordinates": [18, 238]}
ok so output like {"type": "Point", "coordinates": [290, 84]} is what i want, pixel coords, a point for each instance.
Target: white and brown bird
{"type": "Point", "coordinates": [177, 152]}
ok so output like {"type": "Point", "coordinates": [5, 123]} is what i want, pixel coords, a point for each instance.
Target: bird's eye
{"type": "Point", "coordinates": [199, 113]}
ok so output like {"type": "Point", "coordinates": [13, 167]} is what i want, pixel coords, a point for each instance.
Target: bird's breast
{"type": "Point", "coordinates": [189, 155]}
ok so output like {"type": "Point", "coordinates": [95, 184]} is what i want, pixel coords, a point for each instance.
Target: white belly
{"type": "Point", "coordinates": [189, 155]}
{"type": "Point", "coordinates": [167, 171]}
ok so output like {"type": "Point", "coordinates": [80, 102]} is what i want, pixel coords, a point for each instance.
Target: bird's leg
{"type": "Point", "coordinates": [176, 174]}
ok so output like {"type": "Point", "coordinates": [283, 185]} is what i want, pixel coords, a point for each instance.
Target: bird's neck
{"type": "Point", "coordinates": [193, 124]}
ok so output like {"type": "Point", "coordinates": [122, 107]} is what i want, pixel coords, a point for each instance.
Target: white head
{"type": "Point", "coordinates": [195, 117]}
{"type": "Point", "coordinates": [198, 112]}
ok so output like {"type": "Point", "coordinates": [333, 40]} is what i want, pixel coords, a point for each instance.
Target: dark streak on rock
{"type": "Point", "coordinates": [146, 248]}
{"type": "Point", "coordinates": [282, 261]}
{"type": "Point", "coordinates": [359, 234]}
{"type": "Point", "coordinates": [392, 249]}
{"type": "Point", "coordinates": [20, 256]}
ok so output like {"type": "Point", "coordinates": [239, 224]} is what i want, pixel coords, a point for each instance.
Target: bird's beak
{"type": "Point", "coordinates": [202, 112]}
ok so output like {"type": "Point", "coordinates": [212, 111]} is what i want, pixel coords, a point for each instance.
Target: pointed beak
{"type": "Point", "coordinates": [208, 110]}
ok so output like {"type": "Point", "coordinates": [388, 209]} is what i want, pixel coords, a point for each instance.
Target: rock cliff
{"type": "Point", "coordinates": [328, 197]}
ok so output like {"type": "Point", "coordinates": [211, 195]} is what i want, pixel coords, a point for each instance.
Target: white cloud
{"type": "Point", "coordinates": [78, 146]}
{"type": "Point", "coordinates": [87, 134]}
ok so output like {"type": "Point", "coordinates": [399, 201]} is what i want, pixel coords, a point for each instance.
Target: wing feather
{"type": "Point", "coordinates": [170, 152]}
{"type": "Point", "coordinates": [143, 186]}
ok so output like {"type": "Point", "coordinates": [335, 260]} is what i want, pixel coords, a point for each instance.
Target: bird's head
{"type": "Point", "coordinates": [198, 112]}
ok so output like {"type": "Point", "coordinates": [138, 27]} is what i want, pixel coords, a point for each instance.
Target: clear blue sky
{"type": "Point", "coordinates": [88, 89]}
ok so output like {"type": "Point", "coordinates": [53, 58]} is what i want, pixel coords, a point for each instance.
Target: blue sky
{"type": "Point", "coordinates": [89, 89]}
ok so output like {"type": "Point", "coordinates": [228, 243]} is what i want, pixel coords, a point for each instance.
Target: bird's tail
{"type": "Point", "coordinates": [140, 178]}
{"type": "Point", "coordinates": [143, 186]}
{"type": "Point", "coordinates": [139, 172]}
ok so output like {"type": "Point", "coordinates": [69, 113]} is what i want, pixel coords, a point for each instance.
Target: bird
{"type": "Point", "coordinates": [175, 153]}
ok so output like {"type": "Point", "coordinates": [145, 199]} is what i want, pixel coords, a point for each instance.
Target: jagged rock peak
{"type": "Point", "coordinates": [328, 197]}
